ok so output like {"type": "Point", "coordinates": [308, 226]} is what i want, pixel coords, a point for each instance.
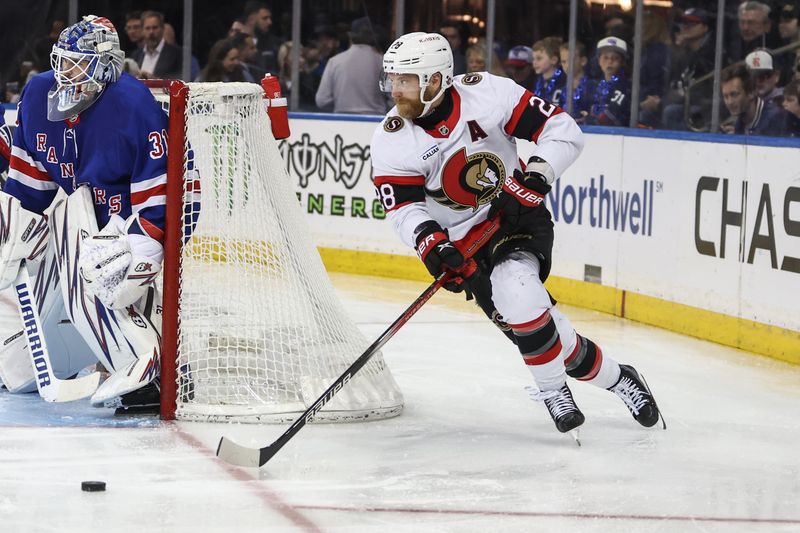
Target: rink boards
{"type": "Point", "coordinates": [699, 234]}
{"type": "Point", "coordinates": [698, 237]}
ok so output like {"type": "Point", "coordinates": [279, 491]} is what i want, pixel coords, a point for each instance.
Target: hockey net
{"type": "Point", "coordinates": [252, 331]}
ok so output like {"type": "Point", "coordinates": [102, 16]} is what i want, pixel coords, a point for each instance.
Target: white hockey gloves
{"type": "Point", "coordinates": [119, 267]}
{"type": "Point", "coordinates": [23, 235]}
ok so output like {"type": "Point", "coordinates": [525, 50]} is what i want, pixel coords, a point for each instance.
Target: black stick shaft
{"type": "Point", "coordinates": [268, 451]}
{"type": "Point", "coordinates": [469, 245]}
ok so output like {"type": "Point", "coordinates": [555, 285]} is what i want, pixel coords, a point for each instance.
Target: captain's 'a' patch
{"type": "Point", "coordinates": [393, 124]}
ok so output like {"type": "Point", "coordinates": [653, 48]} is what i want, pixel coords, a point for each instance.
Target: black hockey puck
{"type": "Point", "coordinates": [93, 486]}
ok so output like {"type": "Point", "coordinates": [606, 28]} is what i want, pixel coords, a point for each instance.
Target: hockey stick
{"type": "Point", "coordinates": [51, 388]}
{"type": "Point", "coordinates": [255, 457]}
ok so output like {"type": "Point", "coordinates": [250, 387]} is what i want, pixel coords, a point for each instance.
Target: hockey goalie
{"type": "Point", "coordinates": [83, 210]}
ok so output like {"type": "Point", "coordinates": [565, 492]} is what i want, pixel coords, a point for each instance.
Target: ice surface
{"type": "Point", "coordinates": [471, 452]}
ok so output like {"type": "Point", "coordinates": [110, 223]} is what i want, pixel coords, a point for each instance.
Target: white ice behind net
{"type": "Point", "coordinates": [261, 332]}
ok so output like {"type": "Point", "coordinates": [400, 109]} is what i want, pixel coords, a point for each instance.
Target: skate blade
{"type": "Point", "coordinates": [576, 434]}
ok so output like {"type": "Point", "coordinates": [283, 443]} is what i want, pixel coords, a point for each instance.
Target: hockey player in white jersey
{"type": "Point", "coordinates": [444, 159]}
{"type": "Point", "coordinates": [89, 153]}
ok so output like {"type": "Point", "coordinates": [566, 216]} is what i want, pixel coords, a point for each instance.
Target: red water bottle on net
{"type": "Point", "coordinates": [277, 108]}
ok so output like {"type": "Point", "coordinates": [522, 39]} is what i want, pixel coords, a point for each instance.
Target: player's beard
{"type": "Point", "coordinates": [409, 109]}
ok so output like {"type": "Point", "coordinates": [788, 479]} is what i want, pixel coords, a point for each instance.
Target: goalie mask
{"type": "Point", "coordinates": [423, 54]}
{"type": "Point", "coordinates": [85, 58]}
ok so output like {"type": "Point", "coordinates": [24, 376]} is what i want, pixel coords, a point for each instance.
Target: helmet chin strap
{"type": "Point", "coordinates": [427, 109]}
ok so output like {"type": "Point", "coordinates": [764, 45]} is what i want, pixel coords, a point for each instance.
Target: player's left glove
{"type": "Point", "coordinates": [523, 193]}
{"type": "Point", "coordinates": [118, 267]}
{"type": "Point", "coordinates": [439, 253]}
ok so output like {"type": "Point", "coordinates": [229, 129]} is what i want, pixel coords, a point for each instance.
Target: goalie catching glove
{"type": "Point", "coordinates": [23, 235]}
{"type": "Point", "coordinates": [439, 253]}
{"type": "Point", "coordinates": [523, 193]}
{"type": "Point", "coordinates": [118, 267]}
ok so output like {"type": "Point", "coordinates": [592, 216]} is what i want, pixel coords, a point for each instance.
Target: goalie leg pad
{"type": "Point", "coordinates": [118, 338]}
{"type": "Point", "coordinates": [26, 237]}
{"type": "Point", "coordinates": [68, 352]}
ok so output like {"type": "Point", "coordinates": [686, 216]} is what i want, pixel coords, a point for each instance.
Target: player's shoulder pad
{"type": "Point", "coordinates": [392, 141]}
{"type": "Point", "coordinates": [484, 85]}
{"type": "Point", "coordinates": [40, 83]}
{"type": "Point", "coordinates": [393, 123]}
{"type": "Point", "coordinates": [130, 89]}
{"type": "Point", "coordinates": [470, 79]}
{"type": "Point", "coordinates": [393, 129]}
{"type": "Point", "coordinates": [133, 100]}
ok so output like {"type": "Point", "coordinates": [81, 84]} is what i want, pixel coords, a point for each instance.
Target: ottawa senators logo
{"type": "Point", "coordinates": [393, 124]}
{"type": "Point", "coordinates": [468, 182]}
{"type": "Point", "coordinates": [471, 79]}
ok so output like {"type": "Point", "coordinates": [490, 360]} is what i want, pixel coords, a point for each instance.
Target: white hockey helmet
{"type": "Point", "coordinates": [423, 54]}
{"type": "Point", "coordinates": [85, 58]}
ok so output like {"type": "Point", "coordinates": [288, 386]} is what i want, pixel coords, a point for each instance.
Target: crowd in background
{"type": "Point", "coordinates": [340, 65]}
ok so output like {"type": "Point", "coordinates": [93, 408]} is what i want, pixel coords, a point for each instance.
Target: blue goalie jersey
{"type": "Point", "coordinates": [118, 147]}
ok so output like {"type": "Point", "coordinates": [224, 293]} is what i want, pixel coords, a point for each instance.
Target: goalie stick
{"type": "Point", "coordinates": [51, 388]}
{"type": "Point", "coordinates": [240, 455]}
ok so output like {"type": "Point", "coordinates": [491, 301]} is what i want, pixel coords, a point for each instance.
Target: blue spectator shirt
{"type": "Point", "coordinates": [769, 120]}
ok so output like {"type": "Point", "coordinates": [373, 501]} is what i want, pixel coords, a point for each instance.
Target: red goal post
{"type": "Point", "coordinates": [252, 330]}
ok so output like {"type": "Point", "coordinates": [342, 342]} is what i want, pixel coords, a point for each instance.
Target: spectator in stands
{"type": "Point", "coordinates": [361, 62]}
{"type": "Point", "coordinates": [583, 85]}
{"type": "Point", "coordinates": [247, 54]}
{"type": "Point", "coordinates": [611, 99]}
{"type": "Point", "coordinates": [43, 46]}
{"type": "Point", "coordinates": [169, 38]}
{"type": "Point", "coordinates": [326, 41]}
{"type": "Point", "coordinates": [693, 58]}
{"type": "Point", "coordinates": [237, 26]}
{"type": "Point", "coordinates": [519, 65]}
{"type": "Point", "coordinates": [223, 63]}
{"type": "Point", "coordinates": [130, 66]}
{"type": "Point", "coordinates": [620, 25]}
{"type": "Point", "coordinates": [796, 66]}
{"type": "Point", "coordinates": [791, 104]}
{"type": "Point", "coordinates": [787, 23]}
{"type": "Point", "coordinates": [476, 59]}
{"type": "Point", "coordinates": [790, 33]}
{"type": "Point", "coordinates": [452, 31]}
{"type": "Point", "coordinates": [760, 65]}
{"type": "Point", "coordinates": [157, 59]}
{"type": "Point", "coordinates": [257, 17]}
{"type": "Point", "coordinates": [550, 79]}
{"type": "Point", "coordinates": [754, 30]}
{"type": "Point", "coordinates": [751, 114]}
{"type": "Point", "coordinates": [308, 83]}
{"type": "Point", "coordinates": [654, 76]}
{"type": "Point", "coordinates": [133, 31]}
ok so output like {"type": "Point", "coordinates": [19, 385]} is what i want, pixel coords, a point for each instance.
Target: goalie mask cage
{"type": "Point", "coordinates": [252, 328]}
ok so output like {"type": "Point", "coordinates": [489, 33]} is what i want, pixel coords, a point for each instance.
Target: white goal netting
{"type": "Point", "coordinates": [261, 332]}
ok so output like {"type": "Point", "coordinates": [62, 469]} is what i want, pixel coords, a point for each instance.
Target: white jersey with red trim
{"type": "Point", "coordinates": [449, 165]}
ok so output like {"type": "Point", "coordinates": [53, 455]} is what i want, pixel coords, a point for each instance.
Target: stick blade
{"type": "Point", "coordinates": [239, 455]}
{"type": "Point", "coordinates": [69, 390]}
